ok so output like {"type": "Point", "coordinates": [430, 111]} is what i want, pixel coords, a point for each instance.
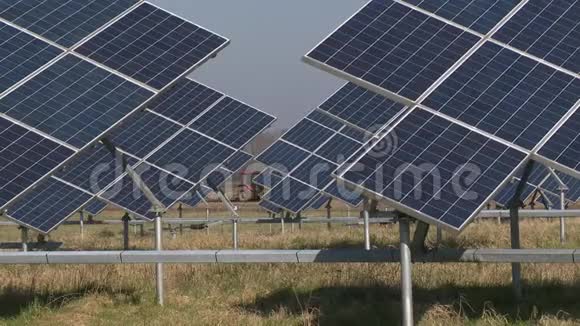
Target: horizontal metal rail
{"type": "Point", "coordinates": [568, 256]}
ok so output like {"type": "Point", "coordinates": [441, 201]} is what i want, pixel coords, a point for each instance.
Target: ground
{"type": "Point", "coordinates": [287, 294]}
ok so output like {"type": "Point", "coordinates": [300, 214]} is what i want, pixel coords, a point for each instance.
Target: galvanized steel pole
{"type": "Point", "coordinates": [159, 266]}
{"type": "Point", "coordinates": [366, 216]}
{"type": "Point", "coordinates": [406, 273]}
{"type": "Point", "coordinates": [562, 219]}
{"type": "Point", "coordinates": [24, 238]}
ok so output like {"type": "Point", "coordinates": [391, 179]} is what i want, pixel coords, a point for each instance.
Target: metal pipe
{"type": "Point", "coordinates": [406, 273]}
{"type": "Point", "coordinates": [159, 266]}
{"type": "Point", "coordinates": [24, 238]}
{"type": "Point", "coordinates": [180, 212]}
{"type": "Point", "coordinates": [366, 216]}
{"type": "Point", "coordinates": [235, 233]}
{"type": "Point", "coordinates": [125, 220]}
{"type": "Point", "coordinates": [329, 214]}
{"type": "Point", "coordinates": [562, 219]}
{"type": "Point", "coordinates": [515, 242]}
{"type": "Point", "coordinates": [82, 224]}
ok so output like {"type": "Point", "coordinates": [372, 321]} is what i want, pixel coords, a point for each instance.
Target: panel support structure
{"type": "Point", "coordinates": [125, 220]}
{"type": "Point", "coordinates": [406, 273]}
{"type": "Point", "coordinates": [158, 266]}
{"type": "Point", "coordinates": [24, 238]}
{"type": "Point", "coordinates": [562, 219]}
{"type": "Point", "coordinates": [366, 216]}
{"type": "Point", "coordinates": [82, 224]}
{"type": "Point", "coordinates": [329, 214]}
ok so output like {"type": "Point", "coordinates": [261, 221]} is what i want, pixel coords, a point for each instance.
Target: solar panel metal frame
{"type": "Point", "coordinates": [117, 123]}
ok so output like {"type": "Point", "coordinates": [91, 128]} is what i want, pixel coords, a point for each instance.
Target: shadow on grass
{"type": "Point", "coordinates": [380, 305]}
{"type": "Point", "coordinates": [14, 301]}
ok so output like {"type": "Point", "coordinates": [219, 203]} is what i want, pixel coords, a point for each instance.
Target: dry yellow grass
{"type": "Point", "coordinates": [286, 294]}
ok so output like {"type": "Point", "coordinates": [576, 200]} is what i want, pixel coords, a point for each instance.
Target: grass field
{"type": "Point", "coordinates": [285, 294]}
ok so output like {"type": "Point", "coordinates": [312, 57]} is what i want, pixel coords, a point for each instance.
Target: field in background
{"type": "Point", "coordinates": [284, 294]}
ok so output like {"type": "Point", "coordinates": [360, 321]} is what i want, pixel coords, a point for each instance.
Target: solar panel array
{"type": "Point", "coordinates": [489, 85]}
{"type": "Point", "coordinates": [72, 72]}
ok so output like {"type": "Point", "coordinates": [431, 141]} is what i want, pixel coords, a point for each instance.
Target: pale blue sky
{"type": "Point", "coordinates": [262, 66]}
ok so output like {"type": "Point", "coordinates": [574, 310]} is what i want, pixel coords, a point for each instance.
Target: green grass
{"type": "Point", "coordinates": [287, 294]}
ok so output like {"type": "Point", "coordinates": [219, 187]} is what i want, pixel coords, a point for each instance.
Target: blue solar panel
{"type": "Point", "coordinates": [195, 152]}
{"type": "Point", "coordinates": [48, 205]}
{"type": "Point", "coordinates": [356, 134]}
{"type": "Point", "coordinates": [319, 201]}
{"type": "Point", "coordinates": [62, 21]}
{"type": "Point", "coordinates": [292, 195]}
{"type": "Point", "coordinates": [325, 120]}
{"type": "Point", "coordinates": [339, 149]}
{"type": "Point", "coordinates": [143, 133]}
{"type": "Point", "coordinates": [573, 185]}
{"type": "Point", "coordinates": [95, 207]}
{"type": "Point", "coordinates": [25, 157]}
{"type": "Point", "coordinates": [165, 187]}
{"type": "Point", "coordinates": [564, 146]}
{"type": "Point", "coordinates": [21, 55]}
{"type": "Point", "coordinates": [282, 156]}
{"type": "Point", "coordinates": [74, 101]}
{"type": "Point", "coordinates": [152, 46]}
{"type": "Point", "coordinates": [233, 122]}
{"type": "Point", "coordinates": [506, 195]}
{"type": "Point", "coordinates": [480, 15]}
{"type": "Point", "coordinates": [269, 178]}
{"type": "Point", "coordinates": [270, 207]}
{"type": "Point", "coordinates": [94, 170]}
{"type": "Point", "coordinates": [440, 172]}
{"type": "Point", "coordinates": [217, 178]}
{"type": "Point", "coordinates": [339, 191]}
{"type": "Point", "coordinates": [362, 108]}
{"type": "Point", "coordinates": [506, 94]}
{"type": "Point", "coordinates": [396, 48]}
{"type": "Point", "coordinates": [185, 101]}
{"type": "Point", "coordinates": [547, 29]}
{"type": "Point", "coordinates": [238, 161]}
{"type": "Point", "coordinates": [308, 135]}
{"type": "Point", "coordinates": [316, 172]}
{"type": "Point", "coordinates": [196, 197]}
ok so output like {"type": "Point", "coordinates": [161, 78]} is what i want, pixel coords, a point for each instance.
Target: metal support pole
{"type": "Point", "coordinates": [329, 214]}
{"type": "Point", "coordinates": [515, 237]}
{"type": "Point", "coordinates": [366, 216]}
{"type": "Point", "coordinates": [24, 238]}
{"type": "Point", "coordinates": [125, 220]}
{"type": "Point", "coordinates": [406, 273]}
{"type": "Point", "coordinates": [562, 219]}
{"type": "Point", "coordinates": [82, 224]}
{"type": "Point", "coordinates": [235, 233]}
{"type": "Point", "coordinates": [159, 266]}
{"type": "Point", "coordinates": [180, 212]}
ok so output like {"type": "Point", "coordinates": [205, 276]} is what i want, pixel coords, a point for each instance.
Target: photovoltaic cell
{"type": "Point", "coordinates": [21, 55]}
{"type": "Point", "coordinates": [142, 134]}
{"type": "Point", "coordinates": [339, 149]}
{"type": "Point", "coordinates": [74, 101]}
{"type": "Point", "coordinates": [506, 94]}
{"type": "Point", "coordinates": [270, 207]}
{"type": "Point", "coordinates": [292, 195]}
{"type": "Point", "coordinates": [325, 120]}
{"type": "Point", "coordinates": [506, 195]}
{"type": "Point", "coordinates": [573, 185]}
{"type": "Point", "coordinates": [217, 178]}
{"type": "Point", "coordinates": [338, 190]}
{"type": "Point", "coordinates": [479, 15]}
{"type": "Point", "coordinates": [396, 48]}
{"type": "Point", "coordinates": [152, 46]}
{"type": "Point", "coordinates": [564, 146]}
{"type": "Point", "coordinates": [47, 205]}
{"type": "Point", "coordinates": [196, 197]}
{"type": "Point", "coordinates": [441, 170]}
{"type": "Point", "coordinates": [319, 201]}
{"type": "Point", "coordinates": [95, 207]}
{"type": "Point", "coordinates": [548, 29]}
{"type": "Point", "coordinates": [283, 156]}
{"type": "Point", "coordinates": [308, 135]}
{"type": "Point", "coordinates": [195, 152]}
{"type": "Point", "coordinates": [25, 157]}
{"type": "Point", "coordinates": [165, 187]}
{"type": "Point", "coordinates": [361, 107]}
{"type": "Point", "coordinates": [62, 21]}
{"type": "Point", "coordinates": [232, 122]}
{"type": "Point", "coordinates": [356, 134]}
{"type": "Point", "coordinates": [316, 172]}
{"type": "Point", "coordinates": [238, 161]}
{"type": "Point", "coordinates": [269, 178]}
{"type": "Point", "coordinates": [185, 101]}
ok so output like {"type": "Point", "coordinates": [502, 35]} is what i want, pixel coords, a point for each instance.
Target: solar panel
{"type": "Point", "coordinates": [338, 148]}
{"type": "Point", "coordinates": [61, 21]}
{"type": "Point", "coordinates": [563, 147]}
{"type": "Point", "coordinates": [232, 122]}
{"type": "Point", "coordinates": [441, 171]}
{"type": "Point", "coordinates": [185, 101]}
{"type": "Point", "coordinates": [152, 46]}
{"type": "Point", "coordinates": [21, 54]}
{"type": "Point", "coordinates": [506, 195]}
{"type": "Point", "coordinates": [282, 156]}
{"type": "Point", "coordinates": [547, 29]}
{"type": "Point", "coordinates": [319, 201]}
{"type": "Point", "coordinates": [308, 135]}
{"type": "Point", "coordinates": [95, 207]}
{"type": "Point", "coordinates": [270, 207]}
{"type": "Point", "coordinates": [388, 46]}
{"type": "Point", "coordinates": [269, 178]}
{"type": "Point", "coordinates": [315, 171]}
{"type": "Point", "coordinates": [325, 120]}
{"type": "Point", "coordinates": [25, 156]}
{"type": "Point", "coordinates": [361, 107]}
{"type": "Point", "coordinates": [292, 195]}
{"type": "Point", "coordinates": [339, 191]}
{"type": "Point", "coordinates": [164, 186]}
{"type": "Point", "coordinates": [507, 95]}
{"type": "Point", "coordinates": [238, 161]}
{"type": "Point", "coordinates": [44, 207]}
{"type": "Point", "coordinates": [196, 197]}
{"type": "Point", "coordinates": [479, 15]}
{"type": "Point", "coordinates": [74, 101]}
{"type": "Point", "coordinates": [218, 177]}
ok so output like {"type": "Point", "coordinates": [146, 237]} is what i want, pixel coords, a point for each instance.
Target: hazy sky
{"type": "Point", "coordinates": [263, 64]}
